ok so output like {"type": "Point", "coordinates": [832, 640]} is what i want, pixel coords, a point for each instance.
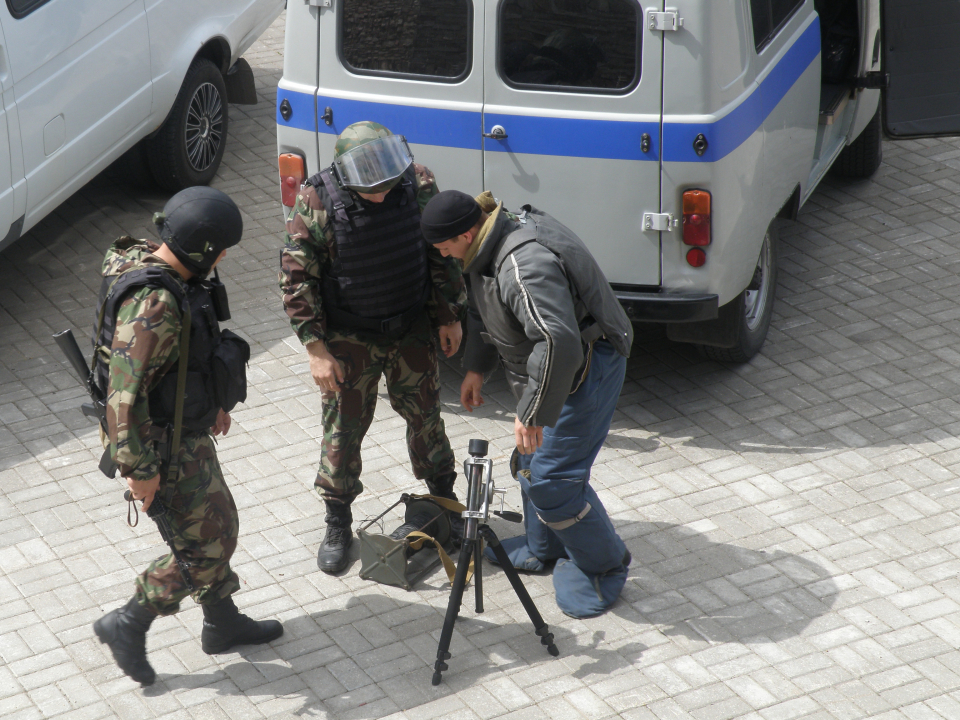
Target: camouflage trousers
{"type": "Point", "coordinates": [203, 518]}
{"type": "Point", "coordinates": [409, 364]}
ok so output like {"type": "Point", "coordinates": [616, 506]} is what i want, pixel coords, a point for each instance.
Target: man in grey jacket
{"type": "Point", "coordinates": [539, 300]}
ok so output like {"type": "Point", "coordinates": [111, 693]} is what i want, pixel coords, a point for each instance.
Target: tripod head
{"type": "Point", "coordinates": [478, 448]}
{"type": "Point", "coordinates": [481, 489]}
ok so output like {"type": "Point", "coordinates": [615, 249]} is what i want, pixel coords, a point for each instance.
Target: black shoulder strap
{"type": "Point", "coordinates": [144, 277]}
{"type": "Point", "coordinates": [409, 180]}
{"type": "Point", "coordinates": [335, 200]}
{"type": "Point", "coordinates": [122, 286]}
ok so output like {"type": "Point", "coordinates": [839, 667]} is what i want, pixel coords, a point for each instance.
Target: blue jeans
{"type": "Point", "coordinates": [558, 489]}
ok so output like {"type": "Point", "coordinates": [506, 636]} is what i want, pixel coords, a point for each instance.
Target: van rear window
{"type": "Point", "coordinates": [22, 8]}
{"type": "Point", "coordinates": [769, 17]}
{"type": "Point", "coordinates": [570, 45]}
{"type": "Point", "coordinates": [425, 39]}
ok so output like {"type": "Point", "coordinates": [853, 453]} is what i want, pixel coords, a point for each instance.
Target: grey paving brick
{"type": "Point", "coordinates": [793, 521]}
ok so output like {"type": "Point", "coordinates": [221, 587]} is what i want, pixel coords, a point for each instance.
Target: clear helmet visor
{"type": "Point", "coordinates": [372, 164]}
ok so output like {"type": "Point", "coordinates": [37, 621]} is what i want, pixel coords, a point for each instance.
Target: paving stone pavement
{"type": "Point", "coordinates": [793, 521]}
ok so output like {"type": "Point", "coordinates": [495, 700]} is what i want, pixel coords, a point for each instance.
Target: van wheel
{"type": "Point", "coordinates": [189, 146]}
{"type": "Point", "coordinates": [754, 307]}
{"type": "Point", "coordinates": [861, 158]}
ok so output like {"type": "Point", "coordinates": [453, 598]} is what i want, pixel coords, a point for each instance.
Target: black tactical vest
{"type": "Point", "coordinates": [200, 405]}
{"type": "Point", "coordinates": [379, 271]}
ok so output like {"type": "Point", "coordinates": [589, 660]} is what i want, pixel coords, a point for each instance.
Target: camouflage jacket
{"type": "Point", "coordinates": [145, 348]}
{"type": "Point", "coordinates": [306, 256]}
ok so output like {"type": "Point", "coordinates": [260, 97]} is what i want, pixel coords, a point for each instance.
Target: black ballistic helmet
{"type": "Point", "coordinates": [197, 224]}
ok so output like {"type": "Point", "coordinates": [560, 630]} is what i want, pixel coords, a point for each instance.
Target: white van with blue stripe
{"type": "Point", "coordinates": [669, 137]}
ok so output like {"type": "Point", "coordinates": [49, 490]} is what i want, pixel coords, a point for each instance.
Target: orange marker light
{"type": "Point", "coordinates": [292, 174]}
{"type": "Point", "coordinates": [696, 218]}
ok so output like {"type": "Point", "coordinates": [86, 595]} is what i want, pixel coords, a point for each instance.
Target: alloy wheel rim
{"type": "Point", "coordinates": [203, 133]}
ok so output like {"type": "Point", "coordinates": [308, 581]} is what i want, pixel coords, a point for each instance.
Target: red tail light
{"type": "Point", "coordinates": [696, 257]}
{"type": "Point", "coordinates": [292, 174]}
{"type": "Point", "coordinates": [696, 219]}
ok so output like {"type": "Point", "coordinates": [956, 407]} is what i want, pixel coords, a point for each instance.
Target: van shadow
{"type": "Point", "coordinates": [673, 395]}
{"type": "Point", "coordinates": [719, 592]}
{"type": "Point", "coordinates": [680, 583]}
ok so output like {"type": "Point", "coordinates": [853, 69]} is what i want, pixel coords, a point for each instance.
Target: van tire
{"type": "Point", "coordinates": [189, 146]}
{"type": "Point", "coordinates": [861, 158]}
{"type": "Point", "coordinates": [753, 307]}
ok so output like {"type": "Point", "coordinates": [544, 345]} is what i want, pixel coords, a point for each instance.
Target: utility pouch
{"type": "Point", "coordinates": [230, 370]}
{"type": "Point", "coordinates": [218, 297]}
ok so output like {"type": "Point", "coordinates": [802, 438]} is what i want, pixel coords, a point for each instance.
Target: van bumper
{"type": "Point", "coordinates": [668, 307]}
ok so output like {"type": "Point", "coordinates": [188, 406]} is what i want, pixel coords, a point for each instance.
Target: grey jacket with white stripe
{"type": "Point", "coordinates": [540, 300]}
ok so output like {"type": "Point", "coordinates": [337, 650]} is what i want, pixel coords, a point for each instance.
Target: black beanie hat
{"type": "Point", "coordinates": [448, 214]}
{"type": "Point", "coordinates": [197, 224]}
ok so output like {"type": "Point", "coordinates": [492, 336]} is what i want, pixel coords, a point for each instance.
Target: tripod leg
{"type": "Point", "coordinates": [478, 574]}
{"type": "Point", "coordinates": [453, 608]}
{"type": "Point", "coordinates": [540, 627]}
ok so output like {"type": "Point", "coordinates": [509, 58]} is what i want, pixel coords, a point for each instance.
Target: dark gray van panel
{"type": "Point", "coordinates": [921, 42]}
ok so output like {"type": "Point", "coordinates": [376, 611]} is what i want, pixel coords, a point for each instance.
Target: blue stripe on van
{"type": "Point", "coordinates": [304, 115]}
{"type": "Point", "coordinates": [420, 125]}
{"type": "Point", "coordinates": [573, 137]}
{"type": "Point", "coordinates": [567, 137]}
{"type": "Point", "coordinates": [731, 131]}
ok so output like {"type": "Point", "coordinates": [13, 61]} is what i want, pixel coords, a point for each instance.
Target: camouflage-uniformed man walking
{"type": "Point", "coordinates": [365, 295]}
{"type": "Point", "coordinates": [147, 290]}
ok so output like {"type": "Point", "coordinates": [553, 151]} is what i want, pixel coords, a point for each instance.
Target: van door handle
{"type": "Point", "coordinates": [496, 133]}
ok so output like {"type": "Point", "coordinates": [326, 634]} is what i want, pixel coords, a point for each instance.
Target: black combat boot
{"type": "Point", "coordinates": [224, 626]}
{"type": "Point", "coordinates": [442, 486]}
{"type": "Point", "coordinates": [125, 631]}
{"type": "Point", "coordinates": [332, 555]}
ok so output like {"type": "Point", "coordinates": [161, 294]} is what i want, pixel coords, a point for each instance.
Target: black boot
{"type": "Point", "coordinates": [125, 631]}
{"type": "Point", "coordinates": [442, 486]}
{"type": "Point", "coordinates": [224, 626]}
{"type": "Point", "coordinates": [332, 555]}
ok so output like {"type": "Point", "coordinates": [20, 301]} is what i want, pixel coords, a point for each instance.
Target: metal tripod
{"type": "Point", "coordinates": [480, 491]}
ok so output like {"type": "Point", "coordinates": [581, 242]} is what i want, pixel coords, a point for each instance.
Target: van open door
{"type": "Point", "coordinates": [571, 123]}
{"type": "Point", "coordinates": [921, 55]}
{"type": "Point", "coordinates": [9, 230]}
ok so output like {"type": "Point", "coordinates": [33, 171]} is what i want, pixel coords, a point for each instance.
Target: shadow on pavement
{"type": "Point", "coordinates": [680, 583]}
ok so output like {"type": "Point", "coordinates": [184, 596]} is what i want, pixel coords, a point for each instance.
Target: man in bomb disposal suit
{"type": "Point", "coordinates": [365, 295]}
{"type": "Point", "coordinates": [543, 303]}
{"type": "Point", "coordinates": [159, 392]}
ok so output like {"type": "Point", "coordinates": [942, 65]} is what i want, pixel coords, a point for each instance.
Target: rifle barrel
{"type": "Point", "coordinates": [68, 346]}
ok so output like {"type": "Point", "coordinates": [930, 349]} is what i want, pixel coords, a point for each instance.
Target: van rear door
{"type": "Point", "coordinates": [921, 54]}
{"type": "Point", "coordinates": [571, 122]}
{"type": "Point", "coordinates": [414, 67]}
